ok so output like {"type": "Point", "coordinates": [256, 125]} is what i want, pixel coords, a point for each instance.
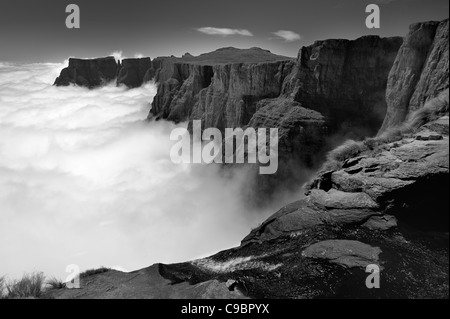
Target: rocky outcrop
{"type": "Point", "coordinates": [133, 72]}
{"type": "Point", "coordinates": [88, 73]}
{"type": "Point", "coordinates": [386, 208]}
{"type": "Point", "coordinates": [420, 71]}
{"type": "Point", "coordinates": [93, 73]}
{"type": "Point", "coordinates": [347, 253]}
{"type": "Point", "coordinates": [376, 189]}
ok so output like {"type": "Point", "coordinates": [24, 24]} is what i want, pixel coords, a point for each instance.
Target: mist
{"type": "Point", "coordinates": [86, 180]}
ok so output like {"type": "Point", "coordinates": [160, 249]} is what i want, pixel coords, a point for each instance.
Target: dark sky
{"type": "Point", "coordinates": [35, 31]}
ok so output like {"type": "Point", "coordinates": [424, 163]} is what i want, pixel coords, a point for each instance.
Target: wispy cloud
{"type": "Point", "coordinates": [225, 31]}
{"type": "Point", "coordinates": [288, 36]}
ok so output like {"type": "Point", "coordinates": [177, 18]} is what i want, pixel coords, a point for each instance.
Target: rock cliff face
{"type": "Point", "coordinates": [334, 87]}
{"type": "Point", "coordinates": [88, 73]}
{"type": "Point", "coordinates": [420, 71]}
{"type": "Point", "coordinates": [345, 81]}
{"type": "Point", "coordinates": [132, 72]}
{"type": "Point", "coordinates": [93, 73]}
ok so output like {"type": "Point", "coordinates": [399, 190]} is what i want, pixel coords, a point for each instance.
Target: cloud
{"type": "Point", "coordinates": [85, 180]}
{"type": "Point", "coordinates": [225, 31]}
{"type": "Point", "coordinates": [118, 55]}
{"type": "Point", "coordinates": [288, 36]}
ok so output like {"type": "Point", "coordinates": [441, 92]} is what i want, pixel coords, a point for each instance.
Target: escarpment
{"type": "Point", "coordinates": [334, 87]}
{"type": "Point", "coordinates": [420, 71]}
{"type": "Point", "coordinates": [343, 80]}
{"type": "Point", "coordinates": [88, 73]}
{"type": "Point", "coordinates": [133, 72]}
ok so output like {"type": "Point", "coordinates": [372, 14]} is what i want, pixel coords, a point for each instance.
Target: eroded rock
{"type": "Point", "coordinates": [347, 253]}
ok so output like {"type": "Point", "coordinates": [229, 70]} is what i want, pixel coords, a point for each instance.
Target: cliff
{"type": "Point", "coordinates": [88, 73]}
{"type": "Point", "coordinates": [93, 73]}
{"type": "Point", "coordinates": [333, 87]}
{"type": "Point", "coordinates": [343, 80]}
{"type": "Point", "coordinates": [133, 72]}
{"type": "Point", "coordinates": [420, 71]}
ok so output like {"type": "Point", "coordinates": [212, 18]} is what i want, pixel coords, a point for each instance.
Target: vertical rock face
{"type": "Point", "coordinates": [230, 100]}
{"type": "Point", "coordinates": [346, 81]}
{"type": "Point", "coordinates": [133, 72]}
{"type": "Point", "coordinates": [88, 73]}
{"type": "Point", "coordinates": [177, 96]}
{"type": "Point", "coordinates": [420, 71]}
{"type": "Point", "coordinates": [343, 80]}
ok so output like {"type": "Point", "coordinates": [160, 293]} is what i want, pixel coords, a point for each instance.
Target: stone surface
{"type": "Point", "coordinates": [347, 253]}
{"type": "Point", "coordinates": [384, 222]}
{"type": "Point", "coordinates": [147, 283]}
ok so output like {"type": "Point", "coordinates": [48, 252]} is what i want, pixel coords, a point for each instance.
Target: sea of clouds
{"type": "Point", "coordinates": [85, 180]}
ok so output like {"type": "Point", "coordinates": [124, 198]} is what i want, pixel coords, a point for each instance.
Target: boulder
{"type": "Point", "coordinates": [347, 253]}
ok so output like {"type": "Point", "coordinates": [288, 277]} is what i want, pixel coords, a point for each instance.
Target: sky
{"type": "Point", "coordinates": [35, 31]}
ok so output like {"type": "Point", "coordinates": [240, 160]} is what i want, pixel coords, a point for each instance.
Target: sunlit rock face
{"type": "Point", "coordinates": [420, 71]}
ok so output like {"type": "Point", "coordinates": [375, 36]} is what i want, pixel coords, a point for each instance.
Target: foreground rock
{"type": "Point", "coordinates": [143, 284]}
{"type": "Point", "coordinates": [347, 253]}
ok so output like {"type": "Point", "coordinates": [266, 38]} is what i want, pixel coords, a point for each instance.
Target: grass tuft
{"type": "Point", "coordinates": [55, 283]}
{"type": "Point", "coordinates": [29, 286]}
{"type": "Point", "coordinates": [347, 150]}
{"type": "Point", "coordinates": [92, 272]}
{"type": "Point", "coordinates": [2, 287]}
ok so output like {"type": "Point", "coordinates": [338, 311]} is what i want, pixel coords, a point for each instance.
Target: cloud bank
{"type": "Point", "coordinates": [225, 31]}
{"type": "Point", "coordinates": [288, 36]}
{"type": "Point", "coordinates": [85, 180]}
